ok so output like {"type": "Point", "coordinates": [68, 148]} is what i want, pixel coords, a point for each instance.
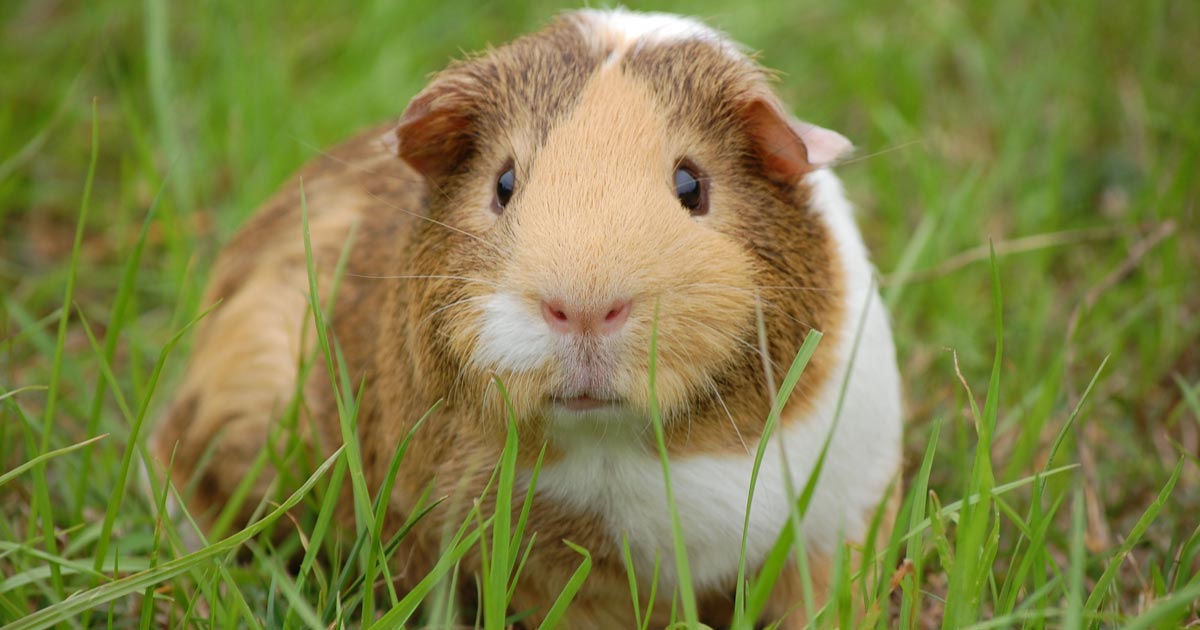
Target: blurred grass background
{"type": "Point", "coordinates": [1066, 135]}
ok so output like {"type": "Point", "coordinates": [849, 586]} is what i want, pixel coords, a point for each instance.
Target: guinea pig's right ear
{"type": "Point", "coordinates": [790, 148]}
{"type": "Point", "coordinates": [434, 134]}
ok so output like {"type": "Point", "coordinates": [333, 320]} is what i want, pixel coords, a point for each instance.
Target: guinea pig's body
{"type": "Point", "coordinates": [539, 212]}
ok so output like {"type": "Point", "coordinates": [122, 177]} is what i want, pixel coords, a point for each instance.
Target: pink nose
{"type": "Point", "coordinates": [566, 318]}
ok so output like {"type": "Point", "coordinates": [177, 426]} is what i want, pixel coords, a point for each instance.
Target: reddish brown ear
{"type": "Point", "coordinates": [434, 134]}
{"type": "Point", "coordinates": [791, 148]}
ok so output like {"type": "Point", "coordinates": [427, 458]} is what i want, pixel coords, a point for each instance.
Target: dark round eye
{"type": "Point", "coordinates": [505, 185]}
{"type": "Point", "coordinates": [690, 191]}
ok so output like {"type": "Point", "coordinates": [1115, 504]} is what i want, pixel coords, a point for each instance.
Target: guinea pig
{"type": "Point", "coordinates": [539, 215]}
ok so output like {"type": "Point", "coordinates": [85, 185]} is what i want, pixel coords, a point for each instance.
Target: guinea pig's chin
{"type": "Point", "coordinates": [586, 420]}
{"type": "Point", "coordinates": [570, 415]}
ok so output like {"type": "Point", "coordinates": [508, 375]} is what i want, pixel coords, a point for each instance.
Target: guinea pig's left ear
{"type": "Point", "coordinates": [790, 148]}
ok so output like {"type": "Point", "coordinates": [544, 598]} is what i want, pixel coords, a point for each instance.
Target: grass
{"type": "Point", "coordinates": [1065, 137]}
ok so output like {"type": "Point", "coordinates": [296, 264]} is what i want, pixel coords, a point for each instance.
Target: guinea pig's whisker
{"type": "Point", "coordinates": [717, 394]}
{"type": "Point", "coordinates": [797, 288]}
{"type": "Point", "coordinates": [466, 300]}
{"type": "Point", "coordinates": [356, 166]}
{"type": "Point", "coordinates": [862, 158]}
{"type": "Point", "coordinates": [727, 335]}
{"type": "Point", "coordinates": [758, 296]}
{"type": "Point", "coordinates": [767, 303]}
{"type": "Point", "coordinates": [645, 429]}
{"type": "Point", "coordinates": [459, 378]}
{"type": "Point", "coordinates": [418, 215]}
{"type": "Point", "coordinates": [719, 332]}
{"type": "Point", "coordinates": [687, 412]}
{"type": "Point", "coordinates": [782, 311]}
{"type": "Point", "coordinates": [425, 277]}
{"type": "Point", "coordinates": [753, 291]}
{"type": "Point", "coordinates": [366, 171]}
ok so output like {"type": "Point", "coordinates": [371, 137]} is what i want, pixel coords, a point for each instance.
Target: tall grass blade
{"type": "Point", "coordinates": [42, 503]}
{"type": "Point", "coordinates": [116, 319]}
{"type": "Point", "coordinates": [1100, 590]}
{"type": "Point", "coordinates": [790, 380]}
{"type": "Point", "coordinates": [559, 608]}
{"type": "Point", "coordinates": [79, 602]}
{"type": "Point", "coordinates": [682, 569]}
{"type": "Point", "coordinates": [44, 457]}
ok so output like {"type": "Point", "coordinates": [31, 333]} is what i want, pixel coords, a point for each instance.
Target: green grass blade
{"type": "Point", "coordinates": [1070, 423]}
{"type": "Point", "coordinates": [496, 585]}
{"type": "Point", "coordinates": [918, 493]}
{"type": "Point", "coordinates": [19, 390]}
{"type": "Point", "coordinates": [383, 500]}
{"type": "Point", "coordinates": [559, 608]}
{"type": "Point", "coordinates": [790, 380]}
{"type": "Point", "coordinates": [964, 594]}
{"type": "Point", "coordinates": [114, 505]}
{"type": "Point", "coordinates": [1171, 608]}
{"type": "Point", "coordinates": [112, 335]}
{"type": "Point", "coordinates": [41, 459]}
{"type": "Point", "coordinates": [789, 538]}
{"type": "Point", "coordinates": [632, 576]}
{"type": "Point", "coordinates": [296, 601]}
{"type": "Point", "coordinates": [72, 606]}
{"type": "Point", "coordinates": [362, 498]}
{"type": "Point", "coordinates": [1073, 617]}
{"type": "Point", "coordinates": [43, 505]}
{"type": "Point", "coordinates": [683, 570]}
{"type": "Point", "coordinates": [459, 545]}
{"type": "Point", "coordinates": [1100, 590]}
{"type": "Point", "coordinates": [955, 507]}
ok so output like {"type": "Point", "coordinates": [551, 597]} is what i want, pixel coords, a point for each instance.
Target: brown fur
{"type": "Point", "coordinates": [594, 217]}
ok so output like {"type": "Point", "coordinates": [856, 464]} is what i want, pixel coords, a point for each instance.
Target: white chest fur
{"type": "Point", "coordinates": [626, 486]}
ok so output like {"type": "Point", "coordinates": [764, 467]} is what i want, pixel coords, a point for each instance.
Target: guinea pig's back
{"type": "Point", "coordinates": [243, 372]}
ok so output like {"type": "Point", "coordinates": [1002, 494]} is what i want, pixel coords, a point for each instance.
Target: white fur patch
{"type": "Point", "coordinates": [626, 486]}
{"type": "Point", "coordinates": [634, 28]}
{"type": "Point", "coordinates": [650, 26]}
{"type": "Point", "coordinates": [511, 338]}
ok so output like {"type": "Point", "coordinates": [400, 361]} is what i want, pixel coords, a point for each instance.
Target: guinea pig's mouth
{"type": "Point", "coordinates": [585, 402]}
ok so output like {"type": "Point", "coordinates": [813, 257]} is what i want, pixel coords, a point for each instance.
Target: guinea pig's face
{"type": "Point", "coordinates": [614, 175]}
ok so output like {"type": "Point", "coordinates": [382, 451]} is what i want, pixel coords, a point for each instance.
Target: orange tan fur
{"type": "Point", "coordinates": [442, 291]}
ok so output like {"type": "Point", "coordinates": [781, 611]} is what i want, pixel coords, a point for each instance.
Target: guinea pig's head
{"type": "Point", "coordinates": [612, 175]}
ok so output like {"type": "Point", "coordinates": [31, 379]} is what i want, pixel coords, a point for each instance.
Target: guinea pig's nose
{"type": "Point", "coordinates": [566, 318]}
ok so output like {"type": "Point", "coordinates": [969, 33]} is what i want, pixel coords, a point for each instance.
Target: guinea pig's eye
{"type": "Point", "coordinates": [505, 185]}
{"type": "Point", "coordinates": [690, 190]}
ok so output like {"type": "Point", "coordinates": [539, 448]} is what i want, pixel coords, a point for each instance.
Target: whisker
{"type": "Point", "coordinates": [687, 409]}
{"type": "Point", "coordinates": [764, 348]}
{"type": "Point", "coordinates": [357, 166]}
{"type": "Point", "coordinates": [731, 287]}
{"type": "Point", "coordinates": [743, 342]}
{"type": "Point", "coordinates": [717, 393]}
{"type": "Point", "coordinates": [758, 297]}
{"type": "Point", "coordinates": [730, 335]}
{"type": "Point", "coordinates": [425, 277]}
{"type": "Point", "coordinates": [799, 288]}
{"type": "Point", "coordinates": [363, 170]}
{"type": "Point", "coordinates": [367, 171]}
{"type": "Point", "coordinates": [903, 145]}
{"type": "Point", "coordinates": [418, 215]}
{"type": "Point", "coordinates": [459, 378]}
{"type": "Point", "coordinates": [439, 309]}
